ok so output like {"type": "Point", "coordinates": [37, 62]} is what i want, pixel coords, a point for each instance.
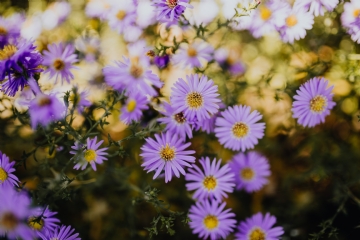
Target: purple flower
{"type": "Point", "coordinates": [9, 30]}
{"type": "Point", "coordinates": [61, 233]}
{"type": "Point", "coordinates": [251, 171]}
{"type": "Point", "coordinates": [43, 220]}
{"type": "Point", "coordinates": [193, 55]}
{"type": "Point", "coordinates": [14, 212]}
{"type": "Point", "coordinates": [209, 219]}
{"type": "Point", "coordinates": [132, 110]}
{"type": "Point", "coordinates": [259, 227]}
{"type": "Point", "coordinates": [176, 122]}
{"type": "Point", "coordinates": [89, 153]}
{"type": "Point", "coordinates": [229, 61]}
{"type": "Point", "coordinates": [44, 109]}
{"type": "Point", "coordinates": [167, 152]}
{"type": "Point", "coordinates": [121, 15]}
{"type": "Point", "coordinates": [313, 102]}
{"type": "Point", "coordinates": [7, 178]}
{"type": "Point", "coordinates": [237, 128]}
{"type": "Point", "coordinates": [196, 98]}
{"type": "Point", "coordinates": [133, 75]}
{"type": "Point", "coordinates": [170, 10]}
{"type": "Point", "coordinates": [18, 63]}
{"type": "Point", "coordinates": [60, 59]}
{"type": "Point", "coordinates": [212, 182]}
{"type": "Point", "coordinates": [89, 46]}
{"type": "Point", "coordinates": [161, 61]}
{"type": "Point", "coordinates": [317, 6]}
{"type": "Point", "coordinates": [350, 19]}
{"type": "Point", "coordinates": [79, 100]}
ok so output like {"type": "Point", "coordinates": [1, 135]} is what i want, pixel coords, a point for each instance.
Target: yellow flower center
{"type": "Point", "coordinates": [3, 31]}
{"type": "Point", "coordinates": [171, 3]}
{"type": "Point", "coordinates": [7, 52]}
{"type": "Point", "coordinates": [9, 221]}
{"type": "Point", "coordinates": [211, 222]}
{"type": "Point", "coordinates": [59, 64]}
{"type": "Point", "coordinates": [318, 104]}
{"type": "Point", "coordinates": [194, 100]}
{"type": "Point", "coordinates": [90, 155]}
{"type": "Point", "coordinates": [131, 105]}
{"type": "Point", "coordinates": [35, 223]}
{"type": "Point", "coordinates": [179, 117]}
{"type": "Point", "coordinates": [247, 174]}
{"type": "Point", "coordinates": [43, 100]}
{"type": "Point", "coordinates": [192, 52]}
{"type": "Point", "coordinates": [291, 21]}
{"type": "Point", "coordinates": [356, 13]}
{"type": "Point", "coordinates": [265, 13]}
{"type": "Point", "coordinates": [210, 182]}
{"type": "Point", "coordinates": [136, 71]}
{"type": "Point", "coordinates": [121, 15]}
{"type": "Point", "coordinates": [240, 130]}
{"type": "Point", "coordinates": [3, 175]}
{"type": "Point", "coordinates": [167, 153]}
{"type": "Point", "coordinates": [257, 234]}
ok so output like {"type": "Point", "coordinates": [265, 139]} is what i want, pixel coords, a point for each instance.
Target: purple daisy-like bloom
{"type": "Point", "coordinates": [259, 227]}
{"type": "Point", "coordinates": [209, 219]}
{"type": "Point", "coordinates": [161, 61]}
{"type": "Point", "coordinates": [316, 7]}
{"type": "Point", "coordinates": [313, 102]}
{"type": "Point", "coordinates": [132, 75]}
{"type": "Point", "coordinates": [14, 212]}
{"type": "Point", "coordinates": [44, 109]}
{"type": "Point", "coordinates": [251, 171]}
{"type": "Point", "coordinates": [176, 122]}
{"type": "Point", "coordinates": [80, 100]}
{"type": "Point", "coordinates": [9, 30]}
{"type": "Point", "coordinates": [193, 55]}
{"type": "Point", "coordinates": [7, 178]}
{"type": "Point", "coordinates": [60, 59]}
{"type": "Point", "coordinates": [297, 21]}
{"type": "Point", "coordinates": [61, 233]}
{"type": "Point", "coordinates": [167, 152]}
{"type": "Point", "coordinates": [350, 19]}
{"type": "Point", "coordinates": [170, 10]}
{"type": "Point", "coordinates": [121, 15]}
{"type": "Point", "coordinates": [132, 110]}
{"type": "Point", "coordinates": [237, 128]}
{"type": "Point", "coordinates": [43, 220]}
{"type": "Point", "coordinates": [212, 182]}
{"type": "Point", "coordinates": [196, 98]}
{"type": "Point", "coordinates": [89, 154]}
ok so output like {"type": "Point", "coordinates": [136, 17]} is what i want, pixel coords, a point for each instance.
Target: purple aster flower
{"type": "Point", "coordinates": [61, 233]}
{"type": "Point", "coordinates": [167, 152]}
{"type": "Point", "coordinates": [194, 55]}
{"type": "Point", "coordinates": [237, 128]}
{"type": "Point", "coordinates": [9, 31]}
{"type": "Point", "coordinates": [80, 100]}
{"type": "Point", "coordinates": [97, 8]}
{"type": "Point", "coordinates": [176, 122]}
{"type": "Point", "coordinates": [89, 153]}
{"type": "Point", "coordinates": [44, 109]}
{"type": "Point", "coordinates": [132, 110]}
{"type": "Point", "coordinates": [313, 102]}
{"type": "Point", "coordinates": [259, 227]}
{"type": "Point", "coordinates": [297, 21]}
{"type": "Point", "coordinates": [18, 63]}
{"type": "Point", "coordinates": [350, 19]}
{"type": "Point", "coordinates": [88, 46]}
{"type": "Point", "coordinates": [209, 219]}
{"type": "Point", "coordinates": [121, 15]}
{"type": "Point", "coordinates": [7, 178]}
{"type": "Point", "coordinates": [206, 125]}
{"type": "Point", "coordinates": [60, 59]}
{"type": "Point", "coordinates": [196, 98]}
{"type": "Point", "coordinates": [251, 171]}
{"type": "Point", "coordinates": [316, 7]}
{"type": "Point", "coordinates": [14, 212]}
{"type": "Point", "coordinates": [170, 10]}
{"type": "Point", "coordinates": [43, 220]}
{"type": "Point", "coordinates": [161, 61]}
{"type": "Point", "coordinates": [229, 61]}
{"type": "Point", "coordinates": [133, 75]}
{"type": "Point", "coordinates": [212, 182]}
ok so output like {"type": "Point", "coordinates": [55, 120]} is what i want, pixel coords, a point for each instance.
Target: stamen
{"type": "Point", "coordinates": [136, 71]}
{"type": "Point", "coordinates": [318, 104]}
{"type": "Point", "coordinates": [167, 153]}
{"type": "Point", "coordinates": [194, 100]}
{"type": "Point", "coordinates": [44, 101]}
{"type": "Point", "coordinates": [191, 52]}
{"type": "Point", "coordinates": [211, 222]}
{"type": "Point", "coordinates": [90, 155]}
{"type": "Point", "coordinates": [3, 31]}
{"type": "Point", "coordinates": [9, 221]}
{"type": "Point", "coordinates": [7, 52]}
{"type": "Point", "coordinates": [171, 3]}
{"type": "Point", "coordinates": [257, 234]}
{"type": "Point", "coordinates": [35, 223]}
{"type": "Point", "coordinates": [3, 175]}
{"type": "Point", "coordinates": [247, 174]}
{"type": "Point", "coordinates": [240, 130]}
{"type": "Point", "coordinates": [291, 21]}
{"type": "Point", "coordinates": [210, 182]}
{"type": "Point", "coordinates": [179, 117]}
{"type": "Point", "coordinates": [59, 64]}
{"type": "Point", "coordinates": [131, 105]}
{"type": "Point", "coordinates": [356, 13]}
{"type": "Point", "coordinates": [121, 15]}
{"type": "Point", "coordinates": [265, 13]}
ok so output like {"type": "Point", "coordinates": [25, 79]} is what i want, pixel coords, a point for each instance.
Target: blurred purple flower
{"type": "Point", "coordinates": [350, 19]}
{"type": "Point", "coordinates": [251, 171]}
{"type": "Point", "coordinates": [259, 227]}
{"type": "Point", "coordinates": [133, 108]}
{"type": "Point", "coordinates": [80, 101]}
{"type": "Point", "coordinates": [121, 15]}
{"type": "Point", "coordinates": [211, 182]}
{"type": "Point", "coordinates": [316, 7]}
{"type": "Point", "coordinates": [194, 54]}
{"type": "Point", "coordinates": [166, 152]}
{"type": "Point", "coordinates": [237, 128]}
{"type": "Point", "coordinates": [210, 220]}
{"type": "Point", "coordinates": [60, 59]}
{"type": "Point", "coordinates": [9, 31]}
{"type": "Point", "coordinates": [161, 61]}
{"type": "Point", "coordinates": [7, 178]}
{"type": "Point", "coordinates": [170, 10]}
{"type": "Point", "coordinates": [42, 220]}
{"type": "Point", "coordinates": [61, 233]}
{"type": "Point", "coordinates": [313, 102]}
